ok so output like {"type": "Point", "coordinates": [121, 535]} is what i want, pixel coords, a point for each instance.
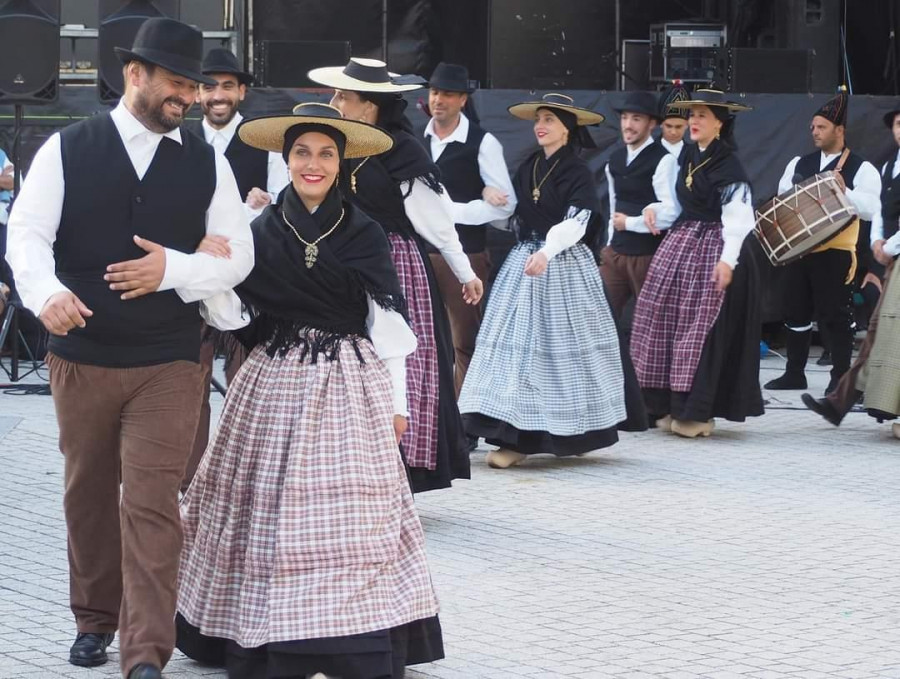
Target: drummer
{"type": "Point", "coordinates": [819, 283]}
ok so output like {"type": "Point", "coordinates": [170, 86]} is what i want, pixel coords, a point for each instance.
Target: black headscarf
{"type": "Point", "coordinates": [293, 133]}
{"type": "Point", "coordinates": [569, 184]}
{"type": "Point", "coordinates": [287, 299]}
{"type": "Point", "coordinates": [717, 173]}
{"type": "Point", "coordinates": [579, 137]}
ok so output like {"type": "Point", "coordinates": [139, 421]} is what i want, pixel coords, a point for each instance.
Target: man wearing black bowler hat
{"type": "Point", "coordinates": [260, 177]}
{"type": "Point", "coordinates": [641, 204]}
{"type": "Point", "coordinates": [475, 175]}
{"type": "Point", "coordinates": [103, 242]}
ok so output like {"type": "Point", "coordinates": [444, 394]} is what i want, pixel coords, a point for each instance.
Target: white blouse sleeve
{"type": "Point", "coordinates": [393, 341]}
{"type": "Point", "coordinates": [865, 195]}
{"type": "Point", "coordinates": [567, 233]}
{"type": "Point", "coordinates": [738, 220]}
{"type": "Point", "coordinates": [431, 214]}
{"type": "Point", "coordinates": [224, 311]}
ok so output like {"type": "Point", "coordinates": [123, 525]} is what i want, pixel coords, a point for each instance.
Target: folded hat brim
{"type": "Point", "coordinates": [889, 117]}
{"type": "Point", "coordinates": [730, 105]}
{"type": "Point", "coordinates": [526, 111]}
{"type": "Point", "coordinates": [638, 109]}
{"type": "Point", "coordinates": [334, 76]}
{"type": "Point", "coordinates": [450, 87]}
{"type": "Point", "coordinates": [171, 63]}
{"type": "Point", "coordinates": [267, 133]}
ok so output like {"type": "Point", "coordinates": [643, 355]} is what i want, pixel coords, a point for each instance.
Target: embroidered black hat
{"type": "Point", "coordinates": [451, 78]}
{"type": "Point", "coordinates": [221, 60]}
{"type": "Point", "coordinates": [640, 102]}
{"type": "Point", "coordinates": [170, 44]}
{"type": "Point", "coordinates": [675, 94]}
{"type": "Point", "coordinates": [835, 109]}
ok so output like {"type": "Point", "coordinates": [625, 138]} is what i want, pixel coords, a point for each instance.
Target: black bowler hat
{"type": "Point", "coordinates": [640, 102]}
{"type": "Point", "coordinates": [451, 78]}
{"type": "Point", "coordinates": [221, 60]}
{"type": "Point", "coordinates": [170, 44]}
{"type": "Point", "coordinates": [890, 115]}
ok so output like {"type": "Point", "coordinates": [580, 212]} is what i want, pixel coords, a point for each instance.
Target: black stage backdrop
{"type": "Point", "coordinates": [768, 136]}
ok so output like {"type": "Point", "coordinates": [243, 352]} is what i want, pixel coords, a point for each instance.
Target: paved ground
{"type": "Point", "coordinates": [767, 551]}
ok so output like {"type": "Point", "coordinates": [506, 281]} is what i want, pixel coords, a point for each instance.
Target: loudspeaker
{"type": "Point", "coordinates": [29, 68]}
{"type": "Point", "coordinates": [777, 71]}
{"type": "Point", "coordinates": [119, 23]}
{"type": "Point", "coordinates": [815, 25]}
{"type": "Point", "coordinates": [635, 65]}
{"type": "Point", "coordinates": [283, 63]}
{"type": "Point", "coordinates": [536, 44]}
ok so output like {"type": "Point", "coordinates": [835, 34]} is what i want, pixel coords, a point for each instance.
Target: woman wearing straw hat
{"type": "Point", "coordinates": [303, 552]}
{"type": "Point", "coordinates": [401, 191]}
{"type": "Point", "coordinates": [695, 334]}
{"type": "Point", "coordinates": [547, 375]}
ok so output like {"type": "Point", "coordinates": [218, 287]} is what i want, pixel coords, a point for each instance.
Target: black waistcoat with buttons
{"type": "Point", "coordinates": [250, 165]}
{"type": "Point", "coordinates": [461, 176]}
{"type": "Point", "coordinates": [890, 199]}
{"type": "Point", "coordinates": [634, 191]}
{"type": "Point", "coordinates": [808, 166]}
{"type": "Point", "coordinates": [106, 204]}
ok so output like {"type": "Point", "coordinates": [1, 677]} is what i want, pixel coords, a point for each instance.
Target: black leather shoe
{"type": "Point", "coordinates": [822, 407]}
{"type": "Point", "coordinates": [787, 381]}
{"type": "Point", "coordinates": [89, 649]}
{"type": "Point", "coordinates": [824, 359]}
{"type": "Point", "coordinates": [145, 671]}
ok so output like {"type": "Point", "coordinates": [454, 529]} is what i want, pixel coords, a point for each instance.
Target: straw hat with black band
{"type": "Point", "coordinates": [557, 102]}
{"type": "Point", "coordinates": [365, 75]}
{"type": "Point", "coordinates": [171, 45]}
{"type": "Point", "coordinates": [714, 99]}
{"type": "Point", "coordinates": [270, 132]}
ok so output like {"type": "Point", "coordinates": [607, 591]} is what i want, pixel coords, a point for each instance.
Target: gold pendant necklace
{"type": "Point", "coordinates": [689, 180]}
{"type": "Point", "coordinates": [353, 174]}
{"type": "Point", "coordinates": [536, 191]}
{"type": "Point", "coordinates": [312, 249]}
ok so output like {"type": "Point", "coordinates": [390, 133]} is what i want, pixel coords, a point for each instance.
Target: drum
{"type": "Point", "coordinates": [796, 222]}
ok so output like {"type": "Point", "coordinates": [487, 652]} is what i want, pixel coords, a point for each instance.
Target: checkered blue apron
{"type": "Point", "coordinates": [547, 355]}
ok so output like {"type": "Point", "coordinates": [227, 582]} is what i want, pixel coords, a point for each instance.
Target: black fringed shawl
{"type": "Point", "coordinates": [378, 180]}
{"type": "Point", "coordinates": [292, 305]}
{"type": "Point", "coordinates": [713, 184]}
{"type": "Point", "coordinates": [570, 184]}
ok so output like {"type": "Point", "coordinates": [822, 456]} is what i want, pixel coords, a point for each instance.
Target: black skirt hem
{"type": "Point", "coordinates": [500, 433]}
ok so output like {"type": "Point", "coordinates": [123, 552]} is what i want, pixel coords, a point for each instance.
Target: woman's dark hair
{"type": "Point", "coordinates": [726, 135]}
{"type": "Point", "coordinates": [391, 110]}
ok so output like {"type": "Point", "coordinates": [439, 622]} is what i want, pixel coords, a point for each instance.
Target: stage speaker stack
{"type": "Point", "coordinates": [812, 25]}
{"type": "Point", "coordinates": [29, 68]}
{"type": "Point", "coordinates": [119, 24]}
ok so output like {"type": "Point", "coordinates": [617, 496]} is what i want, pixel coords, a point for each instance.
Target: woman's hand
{"type": "Point", "coordinates": [401, 424]}
{"type": "Point", "coordinates": [215, 246]}
{"type": "Point", "coordinates": [495, 196]}
{"type": "Point", "coordinates": [473, 291]}
{"type": "Point", "coordinates": [722, 275]}
{"type": "Point", "coordinates": [536, 264]}
{"type": "Point", "coordinates": [650, 220]}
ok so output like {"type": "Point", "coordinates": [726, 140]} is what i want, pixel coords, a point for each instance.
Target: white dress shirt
{"type": "Point", "coordinates": [674, 149]}
{"type": "Point", "coordinates": [865, 195]}
{"type": "Point", "coordinates": [431, 215]}
{"type": "Point", "coordinates": [892, 244]}
{"type": "Point", "coordinates": [35, 220]}
{"type": "Point", "coordinates": [277, 175]}
{"type": "Point", "coordinates": [665, 207]}
{"type": "Point", "coordinates": [491, 167]}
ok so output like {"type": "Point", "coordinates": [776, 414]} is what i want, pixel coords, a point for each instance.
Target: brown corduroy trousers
{"type": "Point", "coordinates": [126, 434]}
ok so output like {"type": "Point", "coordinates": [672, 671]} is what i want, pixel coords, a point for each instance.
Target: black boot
{"type": "Point", "coordinates": [841, 355]}
{"type": "Point", "coordinates": [797, 353]}
{"type": "Point", "coordinates": [822, 407]}
{"type": "Point", "coordinates": [145, 671]}
{"type": "Point", "coordinates": [89, 649]}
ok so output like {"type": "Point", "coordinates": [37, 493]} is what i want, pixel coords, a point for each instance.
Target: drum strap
{"type": "Point", "coordinates": [842, 160]}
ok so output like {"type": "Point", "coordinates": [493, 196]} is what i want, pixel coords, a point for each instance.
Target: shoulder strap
{"type": "Point", "coordinates": [842, 159]}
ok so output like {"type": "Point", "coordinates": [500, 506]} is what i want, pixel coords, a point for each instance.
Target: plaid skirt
{"type": "Point", "coordinates": [422, 378]}
{"type": "Point", "coordinates": [300, 523]}
{"type": "Point", "coordinates": [547, 356]}
{"type": "Point", "coordinates": [677, 307]}
{"type": "Point", "coordinates": [880, 378]}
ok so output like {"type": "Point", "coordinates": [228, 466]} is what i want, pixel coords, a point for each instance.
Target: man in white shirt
{"type": "Point", "coordinates": [674, 121]}
{"type": "Point", "coordinates": [260, 177]}
{"type": "Point", "coordinates": [475, 175]}
{"type": "Point", "coordinates": [640, 176]}
{"type": "Point", "coordinates": [818, 285]}
{"type": "Point", "coordinates": [102, 242]}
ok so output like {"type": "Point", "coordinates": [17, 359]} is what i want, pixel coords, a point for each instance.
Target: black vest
{"type": "Point", "coordinates": [106, 204]}
{"type": "Point", "coordinates": [890, 199]}
{"type": "Point", "coordinates": [250, 165]}
{"type": "Point", "coordinates": [634, 191]}
{"type": "Point", "coordinates": [461, 176]}
{"type": "Point", "coordinates": [808, 166]}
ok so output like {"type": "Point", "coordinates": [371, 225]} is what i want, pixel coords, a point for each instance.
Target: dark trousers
{"type": "Point", "coordinates": [236, 358]}
{"type": "Point", "coordinates": [816, 289]}
{"type": "Point", "coordinates": [844, 397]}
{"type": "Point", "coordinates": [465, 319]}
{"type": "Point", "coordinates": [624, 276]}
{"type": "Point", "coordinates": [126, 434]}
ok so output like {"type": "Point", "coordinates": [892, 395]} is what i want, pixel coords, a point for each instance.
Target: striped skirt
{"type": "Point", "coordinates": [547, 357]}
{"type": "Point", "coordinates": [300, 523]}
{"type": "Point", "coordinates": [420, 441]}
